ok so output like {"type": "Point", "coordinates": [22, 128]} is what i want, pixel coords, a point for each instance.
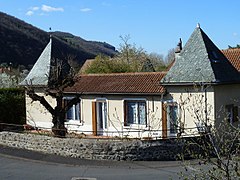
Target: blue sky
{"type": "Point", "coordinates": [155, 25]}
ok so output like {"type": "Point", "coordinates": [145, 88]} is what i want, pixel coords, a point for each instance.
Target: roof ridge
{"type": "Point", "coordinates": [123, 74]}
{"type": "Point", "coordinates": [231, 49]}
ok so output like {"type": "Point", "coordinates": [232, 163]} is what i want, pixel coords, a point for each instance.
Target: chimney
{"type": "Point", "coordinates": [178, 49]}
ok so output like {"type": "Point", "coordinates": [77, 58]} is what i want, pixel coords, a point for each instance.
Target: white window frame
{"type": "Point", "coordinates": [75, 108]}
{"type": "Point", "coordinates": [172, 103]}
{"type": "Point", "coordinates": [105, 120]}
{"type": "Point", "coordinates": [136, 100]}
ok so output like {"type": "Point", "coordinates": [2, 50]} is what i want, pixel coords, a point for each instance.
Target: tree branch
{"type": "Point", "coordinates": [73, 101]}
{"type": "Point", "coordinates": [41, 99]}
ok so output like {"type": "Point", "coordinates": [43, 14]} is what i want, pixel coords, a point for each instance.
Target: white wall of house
{"type": "Point", "coordinates": [226, 95]}
{"type": "Point", "coordinates": [37, 115]}
{"type": "Point", "coordinates": [191, 101]}
{"type": "Point", "coordinates": [114, 125]}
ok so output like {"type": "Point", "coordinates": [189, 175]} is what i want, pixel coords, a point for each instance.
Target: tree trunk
{"type": "Point", "coordinates": [58, 128]}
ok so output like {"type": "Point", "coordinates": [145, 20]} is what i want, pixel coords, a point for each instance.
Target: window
{"type": "Point", "coordinates": [135, 112]}
{"type": "Point", "coordinates": [232, 113]}
{"type": "Point", "coordinates": [172, 117]}
{"type": "Point", "coordinates": [102, 115]}
{"type": "Point", "coordinates": [74, 112]}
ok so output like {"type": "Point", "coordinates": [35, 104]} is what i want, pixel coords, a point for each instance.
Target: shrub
{"type": "Point", "coordinates": [12, 106]}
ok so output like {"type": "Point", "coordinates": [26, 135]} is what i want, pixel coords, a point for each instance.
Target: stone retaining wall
{"type": "Point", "coordinates": [101, 149]}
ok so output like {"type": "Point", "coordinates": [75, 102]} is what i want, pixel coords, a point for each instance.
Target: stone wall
{"type": "Point", "coordinates": [100, 149]}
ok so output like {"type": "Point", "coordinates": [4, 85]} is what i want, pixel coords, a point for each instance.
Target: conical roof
{"type": "Point", "coordinates": [201, 61]}
{"type": "Point", "coordinates": [43, 71]}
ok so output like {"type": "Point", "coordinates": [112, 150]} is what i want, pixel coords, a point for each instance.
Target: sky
{"type": "Point", "coordinates": [154, 25]}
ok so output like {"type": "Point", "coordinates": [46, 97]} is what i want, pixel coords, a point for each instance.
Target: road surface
{"type": "Point", "coordinates": [20, 164]}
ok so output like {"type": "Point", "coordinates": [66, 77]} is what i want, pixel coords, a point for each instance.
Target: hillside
{"type": "Point", "coordinates": [21, 43]}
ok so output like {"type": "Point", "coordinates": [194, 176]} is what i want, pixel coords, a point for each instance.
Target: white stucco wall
{"type": "Point", "coordinates": [37, 115]}
{"type": "Point", "coordinates": [191, 104]}
{"type": "Point", "coordinates": [226, 95]}
{"type": "Point", "coordinates": [115, 116]}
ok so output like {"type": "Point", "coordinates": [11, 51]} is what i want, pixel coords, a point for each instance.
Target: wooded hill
{"type": "Point", "coordinates": [21, 43]}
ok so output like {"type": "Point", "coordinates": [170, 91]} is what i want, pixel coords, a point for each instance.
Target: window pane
{"type": "Point", "coordinates": [105, 113]}
{"type": "Point", "coordinates": [77, 111]}
{"type": "Point", "coordinates": [136, 112]}
{"type": "Point", "coordinates": [100, 114]}
{"type": "Point", "coordinates": [173, 118]}
{"type": "Point", "coordinates": [74, 112]}
{"type": "Point", "coordinates": [70, 113]}
{"type": "Point", "coordinates": [142, 113]}
{"type": "Point", "coordinates": [131, 112]}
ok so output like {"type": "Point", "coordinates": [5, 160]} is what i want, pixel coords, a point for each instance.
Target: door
{"type": "Point", "coordinates": [164, 120]}
{"type": "Point", "coordinates": [94, 118]}
{"type": "Point", "coordinates": [170, 124]}
{"type": "Point", "coordinates": [101, 117]}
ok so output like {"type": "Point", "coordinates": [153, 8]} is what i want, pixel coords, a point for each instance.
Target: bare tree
{"type": "Point", "coordinates": [157, 61]}
{"type": "Point", "coordinates": [134, 56]}
{"type": "Point", "coordinates": [59, 79]}
{"type": "Point", "coordinates": [170, 56]}
{"type": "Point", "coordinates": [216, 147]}
{"type": "Point", "coordinates": [217, 154]}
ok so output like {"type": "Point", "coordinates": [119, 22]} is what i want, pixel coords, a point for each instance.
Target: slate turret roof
{"type": "Point", "coordinates": [42, 72]}
{"type": "Point", "coordinates": [38, 76]}
{"type": "Point", "coordinates": [200, 61]}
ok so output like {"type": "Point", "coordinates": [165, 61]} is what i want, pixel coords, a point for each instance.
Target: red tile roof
{"type": "Point", "coordinates": [233, 55]}
{"type": "Point", "coordinates": [118, 83]}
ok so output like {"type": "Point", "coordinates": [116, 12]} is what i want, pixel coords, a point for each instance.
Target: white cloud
{"type": "Point", "coordinates": [29, 13]}
{"type": "Point", "coordinates": [46, 8]}
{"type": "Point", "coordinates": [85, 9]}
{"type": "Point", "coordinates": [43, 10]}
{"type": "Point", "coordinates": [34, 8]}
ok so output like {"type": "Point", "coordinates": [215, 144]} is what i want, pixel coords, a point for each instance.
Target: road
{"type": "Point", "coordinates": [20, 164]}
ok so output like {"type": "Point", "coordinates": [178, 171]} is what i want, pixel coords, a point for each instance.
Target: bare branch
{"type": "Point", "coordinates": [73, 101]}
{"type": "Point", "coordinates": [41, 99]}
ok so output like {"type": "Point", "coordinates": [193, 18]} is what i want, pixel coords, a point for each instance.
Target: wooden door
{"type": "Point", "coordinates": [94, 118]}
{"type": "Point", "coordinates": [164, 120]}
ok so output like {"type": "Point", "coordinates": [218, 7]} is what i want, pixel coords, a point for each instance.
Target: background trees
{"type": "Point", "coordinates": [129, 58]}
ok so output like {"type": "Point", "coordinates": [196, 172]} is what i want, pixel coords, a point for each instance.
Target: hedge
{"type": "Point", "coordinates": [12, 106]}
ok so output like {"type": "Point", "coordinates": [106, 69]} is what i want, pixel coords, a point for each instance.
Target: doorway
{"type": "Point", "coordinates": [99, 117]}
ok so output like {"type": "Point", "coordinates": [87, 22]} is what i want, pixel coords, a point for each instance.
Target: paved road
{"type": "Point", "coordinates": [18, 164]}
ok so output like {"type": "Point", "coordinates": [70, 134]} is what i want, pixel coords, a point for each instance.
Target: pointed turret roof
{"type": "Point", "coordinates": [39, 74]}
{"type": "Point", "coordinates": [42, 72]}
{"type": "Point", "coordinates": [201, 61]}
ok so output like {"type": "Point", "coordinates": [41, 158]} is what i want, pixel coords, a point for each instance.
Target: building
{"type": "Point", "coordinates": [201, 89]}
